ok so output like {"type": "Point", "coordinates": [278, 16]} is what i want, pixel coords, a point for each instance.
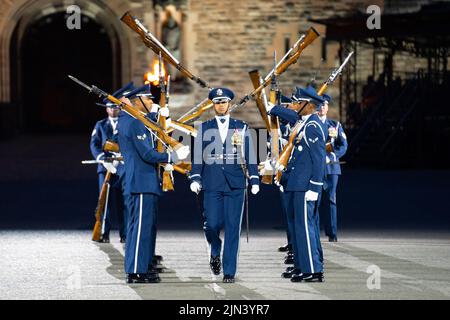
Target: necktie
{"type": "Point", "coordinates": [222, 120]}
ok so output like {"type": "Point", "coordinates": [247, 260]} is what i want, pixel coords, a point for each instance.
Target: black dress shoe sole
{"type": "Point", "coordinates": [143, 281]}
{"type": "Point", "coordinates": [313, 279]}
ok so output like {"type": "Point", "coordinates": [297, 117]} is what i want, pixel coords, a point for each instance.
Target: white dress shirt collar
{"type": "Point", "coordinates": [223, 127]}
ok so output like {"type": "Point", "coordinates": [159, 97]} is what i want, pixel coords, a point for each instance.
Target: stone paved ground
{"type": "Point", "coordinates": [66, 265]}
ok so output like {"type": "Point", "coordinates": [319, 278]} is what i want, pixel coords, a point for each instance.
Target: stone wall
{"type": "Point", "coordinates": [222, 41]}
{"type": "Point", "coordinates": [234, 37]}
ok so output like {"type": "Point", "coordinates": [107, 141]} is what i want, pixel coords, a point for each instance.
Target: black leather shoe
{"type": "Point", "coordinates": [143, 278]}
{"type": "Point", "coordinates": [123, 240]}
{"type": "Point", "coordinates": [290, 269]}
{"type": "Point", "coordinates": [332, 239]}
{"type": "Point", "coordinates": [155, 269]}
{"type": "Point", "coordinates": [215, 265]}
{"type": "Point", "coordinates": [157, 259]}
{"type": "Point", "coordinates": [290, 273]}
{"type": "Point", "coordinates": [104, 239]}
{"type": "Point", "coordinates": [308, 277]}
{"type": "Point", "coordinates": [228, 279]}
{"type": "Point", "coordinates": [289, 259]}
{"type": "Point", "coordinates": [285, 248]}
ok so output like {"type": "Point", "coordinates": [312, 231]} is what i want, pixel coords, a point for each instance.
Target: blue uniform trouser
{"type": "Point", "coordinates": [224, 210]}
{"type": "Point", "coordinates": [330, 218]}
{"type": "Point", "coordinates": [114, 205]}
{"type": "Point", "coordinates": [284, 211]}
{"type": "Point", "coordinates": [128, 204]}
{"type": "Point", "coordinates": [317, 226]}
{"type": "Point", "coordinates": [307, 256]}
{"type": "Point", "coordinates": [140, 243]}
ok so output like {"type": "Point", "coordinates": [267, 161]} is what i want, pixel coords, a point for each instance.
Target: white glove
{"type": "Point", "coordinates": [164, 112]}
{"type": "Point", "coordinates": [255, 189]}
{"type": "Point", "coordinates": [155, 108]}
{"type": "Point", "coordinates": [284, 142]}
{"type": "Point", "coordinates": [110, 167]}
{"type": "Point", "coordinates": [311, 196]}
{"type": "Point", "coordinates": [180, 154]}
{"type": "Point", "coordinates": [268, 165]}
{"type": "Point", "coordinates": [196, 187]}
{"type": "Point", "coordinates": [327, 160]}
{"type": "Point", "coordinates": [168, 167]}
{"type": "Point", "coordinates": [281, 188]}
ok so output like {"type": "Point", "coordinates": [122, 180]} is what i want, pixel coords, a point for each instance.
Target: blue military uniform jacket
{"type": "Point", "coordinates": [103, 131]}
{"type": "Point", "coordinates": [306, 167]}
{"type": "Point", "coordinates": [339, 143]}
{"type": "Point", "coordinates": [138, 149]}
{"type": "Point", "coordinates": [216, 165]}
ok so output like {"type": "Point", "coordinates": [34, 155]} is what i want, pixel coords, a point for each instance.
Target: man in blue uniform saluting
{"type": "Point", "coordinates": [142, 184]}
{"type": "Point", "coordinates": [303, 182]}
{"type": "Point", "coordinates": [336, 148]}
{"type": "Point", "coordinates": [106, 129]}
{"type": "Point", "coordinates": [224, 160]}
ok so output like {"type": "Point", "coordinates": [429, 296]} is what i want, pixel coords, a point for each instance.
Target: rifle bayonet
{"type": "Point", "coordinates": [338, 71]}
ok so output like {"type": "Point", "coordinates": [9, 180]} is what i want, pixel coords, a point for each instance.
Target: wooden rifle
{"type": "Point", "coordinates": [154, 44]}
{"type": "Point", "coordinates": [167, 178]}
{"type": "Point", "coordinates": [149, 124]}
{"type": "Point", "coordinates": [197, 111]}
{"type": "Point", "coordinates": [101, 204]}
{"type": "Point", "coordinates": [310, 36]}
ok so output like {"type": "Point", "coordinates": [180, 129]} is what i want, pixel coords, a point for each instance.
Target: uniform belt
{"type": "Point", "coordinates": [223, 157]}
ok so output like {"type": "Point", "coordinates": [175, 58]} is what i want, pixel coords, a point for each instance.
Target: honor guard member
{"type": "Point", "coordinates": [106, 129]}
{"type": "Point", "coordinates": [142, 183]}
{"type": "Point", "coordinates": [303, 183]}
{"type": "Point", "coordinates": [143, 98]}
{"type": "Point", "coordinates": [224, 159]}
{"type": "Point", "coordinates": [336, 148]}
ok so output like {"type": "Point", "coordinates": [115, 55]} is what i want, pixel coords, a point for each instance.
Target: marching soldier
{"type": "Point", "coordinates": [142, 184]}
{"type": "Point", "coordinates": [106, 129]}
{"type": "Point", "coordinates": [224, 159]}
{"type": "Point", "coordinates": [336, 148]}
{"type": "Point", "coordinates": [303, 181]}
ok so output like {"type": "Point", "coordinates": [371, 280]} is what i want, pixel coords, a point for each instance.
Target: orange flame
{"type": "Point", "coordinates": [153, 76]}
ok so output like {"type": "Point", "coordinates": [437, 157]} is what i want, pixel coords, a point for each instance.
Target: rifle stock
{"type": "Point", "coordinates": [255, 77]}
{"type": "Point", "coordinates": [111, 146]}
{"type": "Point", "coordinates": [329, 147]}
{"type": "Point", "coordinates": [101, 204]}
{"type": "Point", "coordinates": [167, 182]}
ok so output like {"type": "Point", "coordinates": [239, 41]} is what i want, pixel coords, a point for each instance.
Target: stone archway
{"type": "Point", "coordinates": [16, 16]}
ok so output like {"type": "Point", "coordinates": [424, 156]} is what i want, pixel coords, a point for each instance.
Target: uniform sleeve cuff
{"type": "Point", "coordinates": [315, 186]}
{"type": "Point", "coordinates": [254, 180]}
{"type": "Point", "coordinates": [195, 177]}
